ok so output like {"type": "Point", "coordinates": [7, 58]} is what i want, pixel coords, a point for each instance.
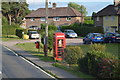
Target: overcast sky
{"type": "Point", "coordinates": [91, 5]}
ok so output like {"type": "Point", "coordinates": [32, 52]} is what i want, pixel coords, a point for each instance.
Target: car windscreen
{"type": "Point", "coordinates": [71, 32]}
{"type": "Point", "coordinates": [33, 32]}
{"type": "Point", "coordinates": [97, 35]}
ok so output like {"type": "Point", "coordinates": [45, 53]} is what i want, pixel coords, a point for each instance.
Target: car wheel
{"type": "Point", "coordinates": [84, 42]}
{"type": "Point", "coordinates": [91, 42]}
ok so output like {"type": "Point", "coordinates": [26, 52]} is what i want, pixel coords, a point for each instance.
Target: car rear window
{"type": "Point", "coordinates": [97, 35]}
{"type": "Point", "coordinates": [34, 32]}
{"type": "Point", "coordinates": [117, 34]}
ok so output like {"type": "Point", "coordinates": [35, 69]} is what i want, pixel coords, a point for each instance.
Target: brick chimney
{"type": "Point", "coordinates": [116, 2]}
{"type": "Point", "coordinates": [54, 6]}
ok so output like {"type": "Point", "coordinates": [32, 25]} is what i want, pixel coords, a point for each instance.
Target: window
{"type": "Point", "coordinates": [107, 17]}
{"type": "Point", "coordinates": [98, 18]}
{"type": "Point", "coordinates": [68, 18]}
{"type": "Point", "coordinates": [112, 18]}
{"type": "Point", "coordinates": [56, 19]}
{"type": "Point", "coordinates": [32, 19]}
{"type": "Point", "coordinates": [42, 19]}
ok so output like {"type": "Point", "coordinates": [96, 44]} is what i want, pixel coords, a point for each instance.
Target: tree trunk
{"type": "Point", "coordinates": [9, 16]}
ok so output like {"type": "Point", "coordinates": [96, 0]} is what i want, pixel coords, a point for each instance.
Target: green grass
{"type": "Point", "coordinates": [74, 70]}
{"type": "Point", "coordinates": [111, 48]}
{"type": "Point", "coordinates": [32, 49]}
{"type": "Point", "coordinates": [10, 37]}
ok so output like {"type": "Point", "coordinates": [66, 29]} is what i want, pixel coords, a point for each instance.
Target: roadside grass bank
{"type": "Point", "coordinates": [74, 69]}
{"type": "Point", "coordinates": [10, 37]}
{"type": "Point", "coordinates": [32, 49]}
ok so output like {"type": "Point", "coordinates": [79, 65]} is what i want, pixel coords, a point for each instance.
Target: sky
{"type": "Point", "coordinates": [91, 5]}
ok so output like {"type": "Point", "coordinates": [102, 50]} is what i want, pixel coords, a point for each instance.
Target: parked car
{"type": "Point", "coordinates": [93, 38]}
{"type": "Point", "coordinates": [33, 34]}
{"type": "Point", "coordinates": [34, 27]}
{"type": "Point", "coordinates": [110, 37]}
{"type": "Point", "coordinates": [70, 33]}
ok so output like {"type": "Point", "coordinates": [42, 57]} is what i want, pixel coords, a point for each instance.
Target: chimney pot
{"type": "Point", "coordinates": [54, 6]}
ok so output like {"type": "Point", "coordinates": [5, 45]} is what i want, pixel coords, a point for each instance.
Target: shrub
{"type": "Point", "coordinates": [99, 63]}
{"type": "Point", "coordinates": [50, 40]}
{"type": "Point", "coordinates": [19, 32]}
{"type": "Point", "coordinates": [72, 54]}
{"type": "Point", "coordinates": [50, 27]}
{"type": "Point", "coordinates": [109, 68]}
{"type": "Point", "coordinates": [97, 47]}
{"type": "Point", "coordinates": [82, 29]}
{"type": "Point", "coordinates": [9, 29]}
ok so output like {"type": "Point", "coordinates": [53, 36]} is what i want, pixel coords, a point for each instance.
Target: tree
{"type": "Point", "coordinates": [80, 8]}
{"type": "Point", "coordinates": [15, 11]}
{"type": "Point", "coordinates": [93, 15]}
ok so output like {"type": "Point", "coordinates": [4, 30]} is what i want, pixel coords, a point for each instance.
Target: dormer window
{"type": "Point", "coordinates": [68, 18]}
{"type": "Point", "coordinates": [42, 19]}
{"type": "Point", "coordinates": [32, 19]}
{"type": "Point", "coordinates": [56, 19]}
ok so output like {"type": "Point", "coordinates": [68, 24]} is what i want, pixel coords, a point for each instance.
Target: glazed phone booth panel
{"type": "Point", "coordinates": [59, 43]}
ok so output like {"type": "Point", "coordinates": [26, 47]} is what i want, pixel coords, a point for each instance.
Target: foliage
{"type": "Point", "coordinates": [88, 20]}
{"type": "Point", "coordinates": [98, 47]}
{"type": "Point", "coordinates": [19, 32]}
{"type": "Point", "coordinates": [15, 11]}
{"type": "Point", "coordinates": [72, 54]}
{"type": "Point", "coordinates": [80, 8]}
{"type": "Point", "coordinates": [99, 63]}
{"type": "Point", "coordinates": [83, 29]}
{"type": "Point", "coordinates": [51, 30]}
{"type": "Point", "coordinates": [50, 40]}
{"type": "Point", "coordinates": [9, 29]}
{"type": "Point", "coordinates": [50, 27]}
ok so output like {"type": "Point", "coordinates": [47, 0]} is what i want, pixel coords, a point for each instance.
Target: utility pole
{"type": "Point", "coordinates": [46, 30]}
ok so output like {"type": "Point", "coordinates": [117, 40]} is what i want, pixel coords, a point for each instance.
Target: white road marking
{"type": "Point", "coordinates": [30, 63]}
{"type": "Point", "coordinates": [11, 51]}
{"type": "Point", "coordinates": [0, 72]}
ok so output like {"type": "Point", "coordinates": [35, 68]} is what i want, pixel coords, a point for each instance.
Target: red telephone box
{"type": "Point", "coordinates": [59, 43]}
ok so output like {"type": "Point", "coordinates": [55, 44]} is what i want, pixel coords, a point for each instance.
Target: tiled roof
{"type": "Point", "coordinates": [59, 11]}
{"type": "Point", "coordinates": [109, 10]}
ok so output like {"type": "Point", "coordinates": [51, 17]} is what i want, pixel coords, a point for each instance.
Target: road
{"type": "Point", "coordinates": [15, 67]}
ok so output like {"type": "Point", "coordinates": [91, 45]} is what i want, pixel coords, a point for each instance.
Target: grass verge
{"type": "Point", "coordinates": [74, 70]}
{"type": "Point", "coordinates": [39, 53]}
{"type": "Point", "coordinates": [10, 37]}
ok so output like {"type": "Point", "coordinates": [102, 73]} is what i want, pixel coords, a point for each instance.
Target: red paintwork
{"type": "Point", "coordinates": [59, 43]}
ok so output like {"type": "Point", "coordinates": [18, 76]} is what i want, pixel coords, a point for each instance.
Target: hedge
{"type": "Point", "coordinates": [9, 29]}
{"type": "Point", "coordinates": [72, 54]}
{"type": "Point", "coordinates": [19, 32]}
{"type": "Point", "coordinates": [83, 29]}
{"type": "Point", "coordinates": [99, 63]}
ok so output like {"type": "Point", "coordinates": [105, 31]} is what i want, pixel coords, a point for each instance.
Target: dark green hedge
{"type": "Point", "coordinates": [83, 29]}
{"type": "Point", "coordinates": [19, 32]}
{"type": "Point", "coordinates": [9, 29]}
{"type": "Point", "coordinates": [99, 63]}
{"type": "Point", "coordinates": [72, 54]}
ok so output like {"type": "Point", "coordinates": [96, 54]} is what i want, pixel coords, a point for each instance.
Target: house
{"type": "Point", "coordinates": [109, 17]}
{"type": "Point", "coordinates": [56, 15]}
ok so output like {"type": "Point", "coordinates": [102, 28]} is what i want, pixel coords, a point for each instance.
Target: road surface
{"type": "Point", "coordinates": [15, 67]}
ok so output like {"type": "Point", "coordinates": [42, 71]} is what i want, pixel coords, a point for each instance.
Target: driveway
{"type": "Point", "coordinates": [74, 41]}
{"type": "Point", "coordinates": [69, 41]}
